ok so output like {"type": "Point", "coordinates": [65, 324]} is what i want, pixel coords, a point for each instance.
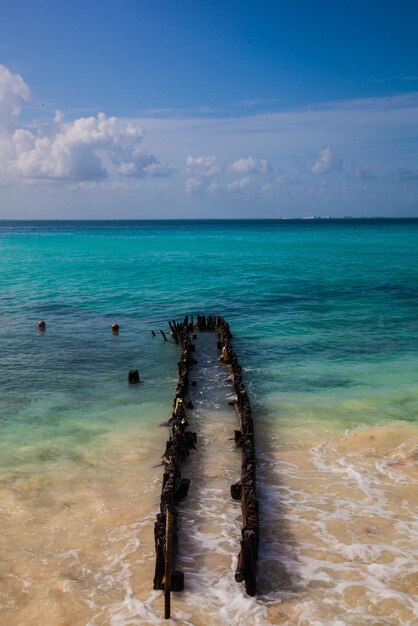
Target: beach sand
{"type": "Point", "coordinates": [337, 509]}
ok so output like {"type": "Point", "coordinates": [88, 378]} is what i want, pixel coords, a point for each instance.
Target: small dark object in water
{"type": "Point", "coordinates": [133, 377]}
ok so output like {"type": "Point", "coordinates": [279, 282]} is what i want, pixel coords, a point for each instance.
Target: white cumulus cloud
{"type": "Point", "coordinates": [13, 92]}
{"type": "Point", "coordinates": [250, 165]}
{"type": "Point", "coordinates": [240, 184]}
{"type": "Point", "coordinates": [326, 162]}
{"type": "Point", "coordinates": [203, 165]}
{"type": "Point", "coordinates": [88, 148]}
{"type": "Point", "coordinates": [202, 170]}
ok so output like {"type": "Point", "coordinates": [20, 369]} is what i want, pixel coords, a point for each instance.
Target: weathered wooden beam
{"type": "Point", "coordinates": [174, 487]}
{"type": "Point", "coordinates": [168, 562]}
{"type": "Point", "coordinates": [245, 489]}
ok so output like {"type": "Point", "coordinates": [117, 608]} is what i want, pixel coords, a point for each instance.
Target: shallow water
{"type": "Point", "coordinates": [325, 321]}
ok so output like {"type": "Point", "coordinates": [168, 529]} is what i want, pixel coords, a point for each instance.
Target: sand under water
{"type": "Point", "coordinates": [324, 322]}
{"type": "Point", "coordinates": [338, 522]}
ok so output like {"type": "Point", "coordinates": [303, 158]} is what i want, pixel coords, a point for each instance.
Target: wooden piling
{"type": "Point", "coordinates": [174, 487]}
{"type": "Point", "coordinates": [178, 446]}
{"type": "Point", "coordinates": [168, 561]}
{"type": "Point", "coordinates": [245, 489]}
{"type": "Point", "coordinates": [133, 377]}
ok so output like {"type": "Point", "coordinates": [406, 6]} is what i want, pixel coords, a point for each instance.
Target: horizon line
{"type": "Point", "coordinates": [308, 218]}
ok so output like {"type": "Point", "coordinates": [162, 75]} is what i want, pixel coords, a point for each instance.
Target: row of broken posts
{"type": "Point", "coordinates": [244, 490]}
{"type": "Point", "coordinates": [181, 441]}
{"type": "Point", "coordinates": [174, 487]}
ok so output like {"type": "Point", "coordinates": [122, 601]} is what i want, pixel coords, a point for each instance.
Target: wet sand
{"type": "Point", "coordinates": [338, 518]}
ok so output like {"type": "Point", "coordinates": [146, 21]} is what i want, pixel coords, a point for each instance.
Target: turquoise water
{"type": "Point", "coordinates": [324, 312]}
{"type": "Point", "coordinates": [324, 315]}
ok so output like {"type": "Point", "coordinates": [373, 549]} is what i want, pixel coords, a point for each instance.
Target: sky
{"type": "Point", "coordinates": [140, 109]}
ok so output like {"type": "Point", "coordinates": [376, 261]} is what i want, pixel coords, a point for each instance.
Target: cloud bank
{"type": "Point", "coordinates": [86, 149]}
{"type": "Point", "coordinates": [89, 148]}
{"type": "Point", "coordinates": [349, 157]}
{"type": "Point", "coordinates": [250, 165]}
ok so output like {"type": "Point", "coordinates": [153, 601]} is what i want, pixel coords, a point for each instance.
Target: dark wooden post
{"type": "Point", "coordinates": [133, 377]}
{"type": "Point", "coordinates": [168, 561]}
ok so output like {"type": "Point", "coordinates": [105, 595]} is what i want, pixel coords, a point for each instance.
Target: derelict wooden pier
{"type": "Point", "coordinates": [179, 445]}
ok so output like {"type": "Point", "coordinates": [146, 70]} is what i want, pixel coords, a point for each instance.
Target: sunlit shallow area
{"type": "Point", "coordinates": [328, 344]}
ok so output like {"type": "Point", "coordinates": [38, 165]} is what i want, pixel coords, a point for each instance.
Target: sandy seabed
{"type": "Point", "coordinates": [338, 517]}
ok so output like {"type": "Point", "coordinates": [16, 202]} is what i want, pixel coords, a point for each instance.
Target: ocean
{"type": "Point", "coordinates": [325, 321]}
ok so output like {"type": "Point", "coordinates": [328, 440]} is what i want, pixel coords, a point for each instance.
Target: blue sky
{"type": "Point", "coordinates": [151, 108]}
